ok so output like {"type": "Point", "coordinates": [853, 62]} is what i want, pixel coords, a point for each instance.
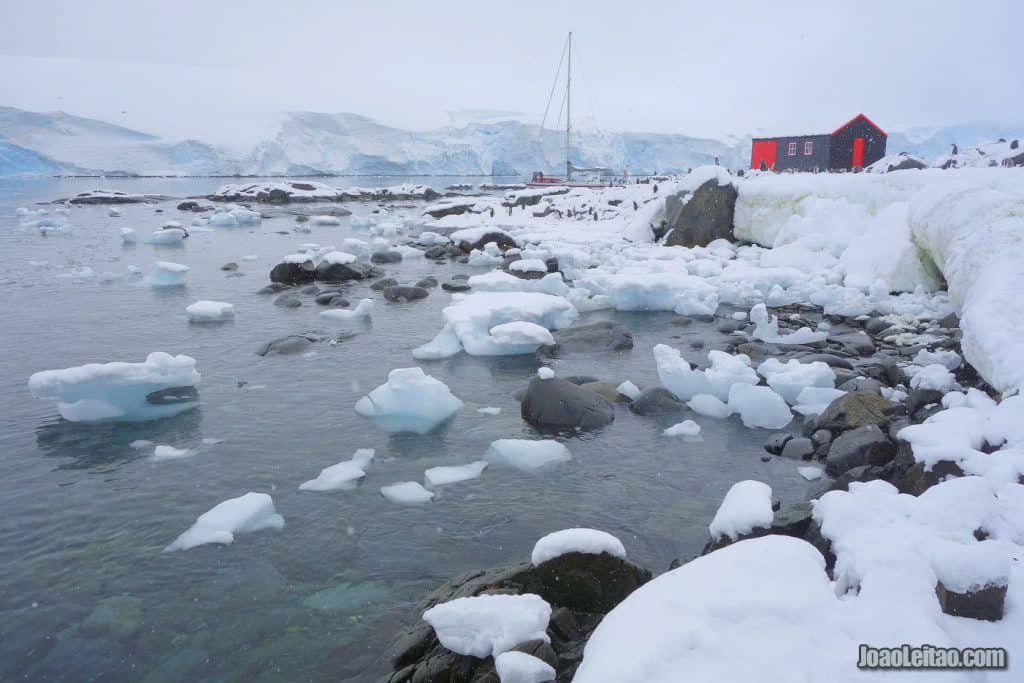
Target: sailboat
{"type": "Point", "coordinates": [539, 178]}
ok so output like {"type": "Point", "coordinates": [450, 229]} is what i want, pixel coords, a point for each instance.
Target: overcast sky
{"type": "Point", "coordinates": [216, 69]}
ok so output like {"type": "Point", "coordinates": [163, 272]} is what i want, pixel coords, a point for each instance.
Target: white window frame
{"type": "Point", "coordinates": [791, 149]}
{"type": "Point", "coordinates": [808, 148]}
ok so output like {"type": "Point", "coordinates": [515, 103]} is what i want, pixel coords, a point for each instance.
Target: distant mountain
{"type": "Point", "coordinates": [499, 143]}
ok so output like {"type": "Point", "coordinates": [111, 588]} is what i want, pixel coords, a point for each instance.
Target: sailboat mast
{"type": "Point", "coordinates": [568, 112]}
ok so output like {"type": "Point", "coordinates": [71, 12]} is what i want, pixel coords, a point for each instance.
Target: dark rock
{"type": "Point", "coordinates": [286, 346]}
{"type": "Point", "coordinates": [287, 301]}
{"type": "Point", "coordinates": [386, 257]}
{"type": "Point", "coordinates": [404, 293]}
{"type": "Point", "coordinates": [436, 252]}
{"type": "Point", "coordinates": [950, 322]}
{"type": "Point", "coordinates": [383, 283]}
{"type": "Point", "coordinates": [919, 398]}
{"type": "Point", "coordinates": [600, 336]}
{"type": "Point", "coordinates": [821, 437]}
{"type": "Point", "coordinates": [823, 545]}
{"type": "Point", "coordinates": [792, 520]}
{"type": "Point", "coordinates": [343, 272]}
{"type": "Point", "coordinates": [293, 273]}
{"type": "Point", "coordinates": [983, 603]}
{"type": "Point", "coordinates": [586, 582]}
{"type": "Point", "coordinates": [876, 325]}
{"type": "Point", "coordinates": [705, 216]}
{"type": "Point", "coordinates": [610, 390]}
{"type": "Point", "coordinates": [655, 401]}
{"type": "Point", "coordinates": [580, 380]}
{"type": "Point", "coordinates": [501, 239]}
{"type": "Point", "coordinates": [552, 264]}
{"type": "Point", "coordinates": [449, 210]}
{"type": "Point", "coordinates": [854, 342]}
{"type": "Point", "coordinates": [776, 442]}
{"type": "Point", "coordinates": [868, 384]}
{"type": "Point", "coordinates": [865, 445]}
{"type": "Point", "coordinates": [854, 410]}
{"type": "Point", "coordinates": [799, 448]}
{"type": "Point", "coordinates": [229, 266]}
{"type": "Point", "coordinates": [427, 283]}
{"type": "Point", "coordinates": [332, 300]}
{"type": "Point", "coordinates": [455, 287]}
{"type": "Point", "coordinates": [192, 206]}
{"type": "Point", "coordinates": [563, 624]}
{"type": "Point", "coordinates": [558, 404]}
{"type": "Point", "coordinates": [828, 359]}
{"type": "Point", "coordinates": [539, 649]}
{"type": "Point", "coordinates": [917, 479]}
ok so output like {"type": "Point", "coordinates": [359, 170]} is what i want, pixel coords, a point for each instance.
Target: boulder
{"type": "Point", "coordinates": [865, 445]}
{"type": "Point", "coordinates": [342, 272]}
{"type": "Point", "coordinates": [854, 342]}
{"type": "Point", "coordinates": [799, 448]}
{"type": "Point", "coordinates": [919, 398]}
{"type": "Point", "coordinates": [655, 401]}
{"type": "Point", "coordinates": [383, 284]}
{"type": "Point", "coordinates": [856, 409]}
{"type": "Point", "coordinates": [455, 287]}
{"type": "Point", "coordinates": [558, 404]}
{"type": "Point", "coordinates": [293, 273]}
{"type": "Point", "coordinates": [776, 442]}
{"type": "Point", "coordinates": [386, 257]}
{"type": "Point", "coordinates": [287, 301]}
{"type": "Point", "coordinates": [600, 336]}
{"type": "Point", "coordinates": [332, 300]}
{"type": "Point", "coordinates": [427, 283]}
{"type": "Point", "coordinates": [274, 288]}
{"type": "Point", "coordinates": [404, 293]}
{"type": "Point", "coordinates": [610, 390]}
{"type": "Point", "coordinates": [587, 582]}
{"type": "Point", "coordinates": [707, 215]}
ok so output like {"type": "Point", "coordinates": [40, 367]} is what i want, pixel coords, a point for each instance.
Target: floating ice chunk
{"type": "Point", "coordinates": [164, 452]}
{"type": "Point", "coordinates": [486, 257]}
{"type": "Point", "coordinates": [519, 667]}
{"type": "Point", "coordinates": [134, 270]}
{"type": "Point", "coordinates": [162, 386]}
{"type": "Point", "coordinates": [792, 377]}
{"type": "Point", "coordinates": [432, 239]}
{"type": "Point", "coordinates": [234, 216]}
{"type": "Point", "coordinates": [628, 389]}
{"type": "Point", "coordinates": [211, 441]}
{"type": "Point", "coordinates": [452, 474]}
{"type": "Point", "coordinates": [687, 428]}
{"type": "Point", "coordinates": [407, 493]}
{"type": "Point", "coordinates": [545, 372]}
{"type": "Point", "coordinates": [489, 410]}
{"type": "Point", "coordinates": [210, 311]}
{"type": "Point", "coordinates": [344, 475]}
{"type": "Point", "coordinates": [814, 400]}
{"type": "Point", "coordinates": [167, 236]}
{"type": "Point", "coordinates": [410, 401]}
{"type": "Point", "coordinates": [759, 406]}
{"type": "Point", "coordinates": [488, 625]}
{"type": "Point", "coordinates": [578, 540]}
{"type": "Point", "coordinates": [654, 291]}
{"type": "Point", "coordinates": [251, 512]}
{"type": "Point", "coordinates": [408, 252]}
{"type": "Point", "coordinates": [167, 274]}
{"type": "Point", "coordinates": [251, 257]}
{"type": "Point", "coordinates": [520, 337]}
{"type": "Point", "coordinates": [363, 310]}
{"type": "Point", "coordinates": [140, 444]}
{"type": "Point", "coordinates": [324, 220]}
{"type": "Point", "coordinates": [810, 473]}
{"type": "Point", "coordinates": [935, 377]}
{"type": "Point", "coordinates": [767, 329]}
{"type": "Point", "coordinates": [686, 382]}
{"type": "Point", "coordinates": [727, 370]}
{"type": "Point", "coordinates": [746, 506]}
{"type": "Point", "coordinates": [127, 236]}
{"type": "Point", "coordinates": [706, 404]}
{"type": "Point", "coordinates": [526, 454]}
{"type": "Point", "coordinates": [445, 345]}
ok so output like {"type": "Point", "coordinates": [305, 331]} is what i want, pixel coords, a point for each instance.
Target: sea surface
{"type": "Point", "coordinates": [86, 591]}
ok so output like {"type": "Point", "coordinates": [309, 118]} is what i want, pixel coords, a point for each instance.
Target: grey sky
{"type": "Point", "coordinates": [215, 68]}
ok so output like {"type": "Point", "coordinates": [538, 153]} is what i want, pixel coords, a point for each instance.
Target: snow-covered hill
{"type": "Point", "coordinates": [34, 143]}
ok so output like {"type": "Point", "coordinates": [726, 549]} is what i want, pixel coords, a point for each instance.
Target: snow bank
{"type": "Point", "coordinates": [121, 391]}
{"type": "Point", "coordinates": [470, 320]}
{"type": "Point", "coordinates": [488, 625]}
{"type": "Point", "coordinates": [580, 540]}
{"type": "Point", "coordinates": [746, 506]}
{"type": "Point", "coordinates": [410, 401]}
{"type": "Point", "coordinates": [251, 512]}
{"type": "Point", "coordinates": [210, 311]}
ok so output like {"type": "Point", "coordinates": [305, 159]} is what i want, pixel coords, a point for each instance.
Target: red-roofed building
{"type": "Point", "coordinates": [855, 144]}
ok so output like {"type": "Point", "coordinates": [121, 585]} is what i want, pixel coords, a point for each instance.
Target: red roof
{"type": "Point", "coordinates": [861, 116]}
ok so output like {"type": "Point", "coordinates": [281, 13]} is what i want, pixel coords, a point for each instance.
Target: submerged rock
{"type": "Point", "coordinates": [559, 404]}
{"type": "Point", "coordinates": [402, 293]}
{"type": "Point", "coordinates": [342, 272]}
{"type": "Point", "coordinates": [600, 336]}
{"type": "Point", "coordinates": [655, 401]}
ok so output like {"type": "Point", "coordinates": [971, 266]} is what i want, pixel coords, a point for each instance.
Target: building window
{"type": "Point", "coordinates": [791, 151]}
{"type": "Point", "coordinates": [808, 148]}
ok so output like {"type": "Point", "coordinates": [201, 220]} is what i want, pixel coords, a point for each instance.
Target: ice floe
{"type": "Point", "coordinates": [210, 311]}
{"type": "Point", "coordinates": [250, 512]}
{"type": "Point", "coordinates": [410, 401]}
{"type": "Point", "coordinates": [526, 454]}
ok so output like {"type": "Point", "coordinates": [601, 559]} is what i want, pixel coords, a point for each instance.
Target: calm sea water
{"type": "Point", "coordinates": [85, 591]}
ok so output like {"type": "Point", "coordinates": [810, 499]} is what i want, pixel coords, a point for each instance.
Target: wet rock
{"type": "Point", "coordinates": [697, 220]}
{"type": "Point", "coordinates": [856, 409]}
{"type": "Point", "coordinates": [586, 582]}
{"type": "Point", "coordinates": [558, 404]}
{"type": "Point", "coordinates": [580, 380]}
{"type": "Point", "coordinates": [917, 479]}
{"type": "Point", "coordinates": [427, 282]}
{"type": "Point", "coordinates": [984, 603]}
{"type": "Point", "coordinates": [600, 336]}
{"type": "Point", "coordinates": [499, 238]}
{"type": "Point", "coordinates": [193, 206]}
{"type": "Point", "coordinates": [820, 437]}
{"type": "Point", "coordinates": [332, 300]}
{"type": "Point", "coordinates": [655, 401]}
{"type": "Point", "coordinates": [919, 398]}
{"type": "Point", "coordinates": [117, 617]}
{"type": "Point", "coordinates": [293, 273]}
{"type": "Point", "coordinates": [287, 301]}
{"type": "Point", "coordinates": [799, 448]}
{"type": "Point", "coordinates": [229, 266]}
{"type": "Point", "coordinates": [868, 384]}
{"type": "Point", "coordinates": [274, 288]}
{"type": "Point", "coordinates": [383, 284]}
{"type": "Point", "coordinates": [286, 346]}
{"type": "Point", "coordinates": [854, 342]}
{"type": "Point", "coordinates": [455, 287]}
{"type": "Point", "coordinates": [539, 649]}
{"type": "Point", "coordinates": [386, 257]}
{"type": "Point", "coordinates": [610, 390]}
{"type": "Point", "coordinates": [876, 326]}
{"type": "Point", "coordinates": [776, 442]}
{"type": "Point", "coordinates": [342, 272]}
{"type": "Point", "coordinates": [828, 359]}
{"type": "Point", "coordinates": [404, 293]}
{"type": "Point", "coordinates": [792, 520]}
{"type": "Point", "coordinates": [436, 252]}
{"type": "Point", "coordinates": [950, 322]}
{"type": "Point", "coordinates": [865, 445]}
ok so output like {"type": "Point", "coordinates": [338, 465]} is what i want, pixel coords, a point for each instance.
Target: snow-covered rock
{"type": "Point", "coordinates": [519, 667]}
{"type": "Point", "coordinates": [162, 386]}
{"type": "Point", "coordinates": [746, 506]}
{"type": "Point", "coordinates": [410, 401]}
{"type": "Point", "coordinates": [579, 540]}
{"type": "Point", "coordinates": [251, 512]}
{"type": "Point", "coordinates": [487, 625]}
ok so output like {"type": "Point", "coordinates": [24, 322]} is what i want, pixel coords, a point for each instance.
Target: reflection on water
{"type": "Point", "coordinates": [87, 592]}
